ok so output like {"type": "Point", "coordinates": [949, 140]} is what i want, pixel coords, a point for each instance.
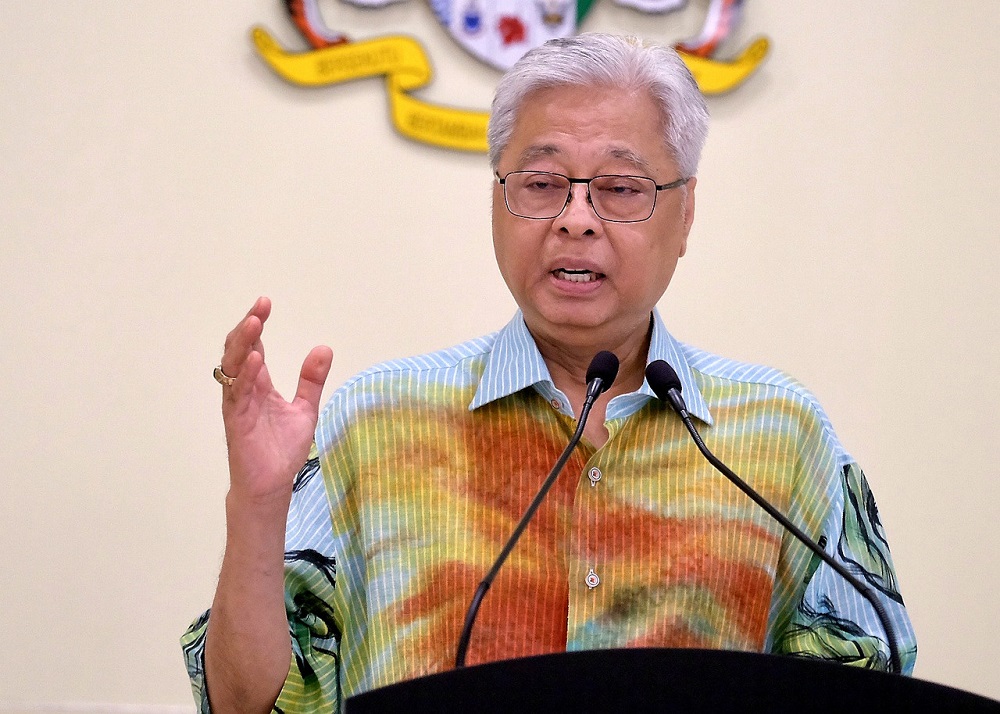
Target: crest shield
{"type": "Point", "coordinates": [497, 32]}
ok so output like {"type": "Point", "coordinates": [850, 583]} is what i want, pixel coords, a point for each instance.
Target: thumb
{"type": "Point", "coordinates": [312, 377]}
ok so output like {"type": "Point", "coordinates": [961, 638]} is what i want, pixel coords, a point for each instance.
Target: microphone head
{"type": "Point", "coordinates": [662, 378]}
{"type": "Point", "coordinates": [604, 366]}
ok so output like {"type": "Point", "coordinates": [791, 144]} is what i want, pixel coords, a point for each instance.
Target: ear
{"type": "Point", "coordinates": [687, 207]}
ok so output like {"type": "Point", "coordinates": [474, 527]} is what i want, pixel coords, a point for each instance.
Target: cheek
{"type": "Point", "coordinates": [507, 248]}
{"type": "Point", "coordinates": [517, 241]}
{"type": "Point", "coordinates": [667, 264]}
{"type": "Point", "coordinates": [501, 238]}
{"type": "Point", "coordinates": [651, 261]}
{"type": "Point", "coordinates": [501, 231]}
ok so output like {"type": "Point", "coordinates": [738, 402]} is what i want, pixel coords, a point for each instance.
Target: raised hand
{"type": "Point", "coordinates": [247, 650]}
{"type": "Point", "coordinates": [268, 437]}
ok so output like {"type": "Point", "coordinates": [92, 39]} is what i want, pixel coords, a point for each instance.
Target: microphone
{"type": "Point", "coordinates": [600, 376]}
{"type": "Point", "coordinates": [665, 383]}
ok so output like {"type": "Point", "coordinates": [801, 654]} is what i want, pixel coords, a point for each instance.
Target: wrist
{"type": "Point", "coordinates": [255, 527]}
{"type": "Point", "coordinates": [263, 506]}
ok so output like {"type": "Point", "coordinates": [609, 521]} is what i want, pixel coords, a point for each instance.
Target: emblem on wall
{"type": "Point", "coordinates": [497, 32]}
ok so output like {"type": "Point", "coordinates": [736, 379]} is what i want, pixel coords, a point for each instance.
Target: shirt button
{"type": "Point", "coordinates": [592, 579]}
{"type": "Point", "coordinates": [556, 404]}
{"type": "Point", "coordinates": [594, 475]}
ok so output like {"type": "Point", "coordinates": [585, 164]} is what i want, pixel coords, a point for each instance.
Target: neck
{"type": "Point", "coordinates": [568, 364]}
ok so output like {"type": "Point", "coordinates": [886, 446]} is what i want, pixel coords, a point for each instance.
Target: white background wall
{"type": "Point", "coordinates": [155, 177]}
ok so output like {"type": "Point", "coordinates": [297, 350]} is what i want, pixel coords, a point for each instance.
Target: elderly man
{"type": "Point", "coordinates": [357, 571]}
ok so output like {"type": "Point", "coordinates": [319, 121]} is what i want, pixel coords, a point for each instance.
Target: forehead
{"type": "Point", "coordinates": [589, 125]}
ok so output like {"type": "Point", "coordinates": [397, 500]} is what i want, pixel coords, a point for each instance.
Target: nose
{"type": "Point", "coordinates": [578, 216]}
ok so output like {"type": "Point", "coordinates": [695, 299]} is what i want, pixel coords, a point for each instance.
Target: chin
{"type": "Point", "coordinates": [558, 320]}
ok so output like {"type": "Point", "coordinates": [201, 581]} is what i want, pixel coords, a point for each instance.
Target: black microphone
{"type": "Point", "coordinates": [664, 382]}
{"type": "Point", "coordinates": [600, 376]}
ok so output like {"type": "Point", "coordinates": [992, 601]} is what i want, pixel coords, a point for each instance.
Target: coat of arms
{"type": "Point", "coordinates": [497, 32]}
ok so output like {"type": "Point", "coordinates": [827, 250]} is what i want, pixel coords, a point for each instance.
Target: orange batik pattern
{"type": "Point", "coordinates": [435, 512]}
{"type": "Point", "coordinates": [683, 559]}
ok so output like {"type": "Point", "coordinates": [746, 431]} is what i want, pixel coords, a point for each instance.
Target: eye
{"type": "Point", "coordinates": [620, 186]}
{"type": "Point", "coordinates": [543, 183]}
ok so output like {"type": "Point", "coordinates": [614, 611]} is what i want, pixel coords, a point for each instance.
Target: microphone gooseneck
{"type": "Point", "coordinates": [600, 376]}
{"type": "Point", "coordinates": [666, 385]}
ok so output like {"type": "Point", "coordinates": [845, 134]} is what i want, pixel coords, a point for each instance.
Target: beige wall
{"type": "Point", "coordinates": [155, 177]}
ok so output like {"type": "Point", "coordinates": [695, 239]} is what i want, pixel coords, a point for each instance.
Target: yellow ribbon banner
{"type": "Point", "coordinates": [715, 77]}
{"type": "Point", "coordinates": [404, 64]}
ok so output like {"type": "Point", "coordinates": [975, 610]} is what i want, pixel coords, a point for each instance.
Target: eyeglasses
{"type": "Point", "coordinates": [618, 199]}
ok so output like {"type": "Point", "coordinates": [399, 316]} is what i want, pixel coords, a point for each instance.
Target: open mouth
{"type": "Point", "coordinates": [576, 276]}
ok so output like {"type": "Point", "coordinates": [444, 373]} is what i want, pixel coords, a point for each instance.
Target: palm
{"type": "Point", "coordinates": [268, 437]}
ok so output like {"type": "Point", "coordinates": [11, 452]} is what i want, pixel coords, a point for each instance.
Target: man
{"type": "Point", "coordinates": [357, 572]}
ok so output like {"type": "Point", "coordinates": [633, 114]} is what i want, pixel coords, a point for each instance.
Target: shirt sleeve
{"type": "Point", "coordinates": [832, 620]}
{"type": "Point", "coordinates": [313, 682]}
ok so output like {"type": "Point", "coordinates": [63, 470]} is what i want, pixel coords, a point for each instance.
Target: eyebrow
{"type": "Point", "coordinates": [537, 151]}
{"type": "Point", "coordinates": [544, 150]}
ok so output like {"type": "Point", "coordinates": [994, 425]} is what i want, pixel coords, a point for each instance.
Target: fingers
{"type": "Point", "coordinates": [312, 377]}
{"type": "Point", "coordinates": [245, 337]}
{"type": "Point", "coordinates": [250, 370]}
{"type": "Point", "coordinates": [261, 308]}
{"type": "Point", "coordinates": [243, 359]}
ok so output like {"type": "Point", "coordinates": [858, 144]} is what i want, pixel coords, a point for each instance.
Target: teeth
{"type": "Point", "coordinates": [575, 276]}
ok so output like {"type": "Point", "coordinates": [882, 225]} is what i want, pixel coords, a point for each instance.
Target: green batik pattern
{"type": "Point", "coordinates": [819, 629]}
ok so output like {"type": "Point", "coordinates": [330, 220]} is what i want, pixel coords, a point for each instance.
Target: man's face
{"type": "Point", "coordinates": [583, 132]}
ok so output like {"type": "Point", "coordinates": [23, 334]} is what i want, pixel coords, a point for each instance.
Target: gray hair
{"type": "Point", "coordinates": [610, 60]}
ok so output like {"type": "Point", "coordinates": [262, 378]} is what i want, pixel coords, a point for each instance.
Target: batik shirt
{"type": "Point", "coordinates": [423, 467]}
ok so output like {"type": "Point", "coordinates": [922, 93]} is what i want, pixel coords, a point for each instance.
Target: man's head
{"type": "Point", "coordinates": [609, 60]}
{"type": "Point", "coordinates": [587, 258]}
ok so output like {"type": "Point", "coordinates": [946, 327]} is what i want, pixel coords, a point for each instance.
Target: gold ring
{"type": "Point", "coordinates": [222, 378]}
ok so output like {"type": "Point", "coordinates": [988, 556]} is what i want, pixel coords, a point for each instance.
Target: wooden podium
{"type": "Point", "coordinates": [666, 680]}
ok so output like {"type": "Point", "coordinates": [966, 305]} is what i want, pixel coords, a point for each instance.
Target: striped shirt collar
{"type": "Point", "coordinates": [515, 363]}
